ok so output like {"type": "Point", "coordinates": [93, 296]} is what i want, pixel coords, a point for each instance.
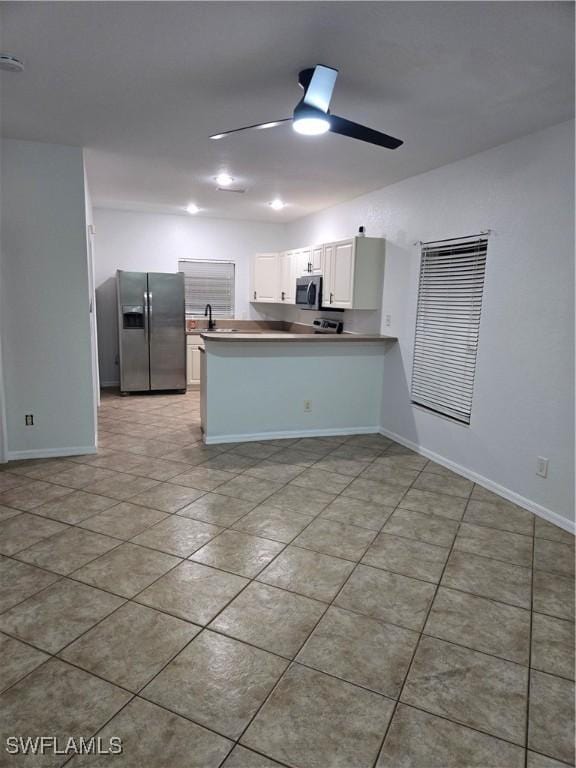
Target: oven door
{"type": "Point", "coordinates": [308, 292]}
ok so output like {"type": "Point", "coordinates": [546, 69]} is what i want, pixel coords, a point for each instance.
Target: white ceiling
{"type": "Point", "coordinates": [143, 85]}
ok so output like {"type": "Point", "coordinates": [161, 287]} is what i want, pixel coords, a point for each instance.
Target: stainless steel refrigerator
{"type": "Point", "coordinates": [152, 331]}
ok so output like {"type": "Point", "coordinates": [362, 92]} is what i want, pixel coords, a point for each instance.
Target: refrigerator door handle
{"type": "Point", "coordinates": [146, 319]}
{"type": "Point", "coordinates": [150, 312]}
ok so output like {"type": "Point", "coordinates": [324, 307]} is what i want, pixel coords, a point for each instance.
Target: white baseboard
{"type": "Point", "coordinates": [298, 433]}
{"type": "Point", "coordinates": [49, 453]}
{"type": "Point", "coordinates": [515, 498]}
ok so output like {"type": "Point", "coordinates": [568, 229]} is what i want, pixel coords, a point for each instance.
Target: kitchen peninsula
{"type": "Point", "coordinates": [290, 383]}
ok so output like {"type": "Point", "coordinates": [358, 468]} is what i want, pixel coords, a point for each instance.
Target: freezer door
{"type": "Point", "coordinates": [167, 330]}
{"type": "Point", "coordinates": [132, 289]}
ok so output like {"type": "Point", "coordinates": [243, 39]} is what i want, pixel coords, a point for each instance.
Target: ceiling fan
{"type": "Point", "coordinates": [312, 117]}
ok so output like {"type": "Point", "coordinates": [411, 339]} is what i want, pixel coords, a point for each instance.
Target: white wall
{"type": "Point", "coordinates": [44, 307]}
{"type": "Point", "coordinates": [89, 212]}
{"type": "Point", "coordinates": [524, 388]}
{"type": "Point", "coordinates": [257, 390]}
{"type": "Point", "coordinates": [146, 242]}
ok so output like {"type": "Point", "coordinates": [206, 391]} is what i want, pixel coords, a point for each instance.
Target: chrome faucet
{"type": "Point", "coordinates": [208, 313]}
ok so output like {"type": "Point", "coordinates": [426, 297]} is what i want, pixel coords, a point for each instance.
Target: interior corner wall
{"type": "Point", "coordinates": [523, 404]}
{"type": "Point", "coordinates": [44, 306]}
{"type": "Point", "coordinates": [149, 242]}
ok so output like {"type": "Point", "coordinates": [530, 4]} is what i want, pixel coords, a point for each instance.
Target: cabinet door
{"type": "Point", "coordinates": [317, 260]}
{"type": "Point", "coordinates": [192, 365]}
{"type": "Point", "coordinates": [196, 364]}
{"type": "Point", "coordinates": [265, 278]}
{"type": "Point", "coordinates": [287, 277]}
{"type": "Point", "coordinates": [328, 282]}
{"type": "Point", "coordinates": [342, 275]}
{"type": "Point", "coordinates": [303, 262]}
{"type": "Point", "coordinates": [189, 366]}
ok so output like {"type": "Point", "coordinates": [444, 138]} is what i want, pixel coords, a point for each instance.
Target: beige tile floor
{"type": "Point", "coordinates": [323, 603]}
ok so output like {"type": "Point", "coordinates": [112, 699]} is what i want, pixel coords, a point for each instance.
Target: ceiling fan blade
{"type": "Point", "coordinates": [356, 131]}
{"type": "Point", "coordinates": [256, 126]}
{"type": "Point", "coordinates": [318, 90]}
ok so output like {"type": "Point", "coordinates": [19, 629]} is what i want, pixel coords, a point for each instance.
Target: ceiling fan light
{"type": "Point", "coordinates": [311, 126]}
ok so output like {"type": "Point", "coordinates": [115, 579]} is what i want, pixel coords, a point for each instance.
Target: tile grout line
{"type": "Point", "coordinates": [205, 627]}
{"type": "Point", "coordinates": [290, 665]}
{"type": "Point", "coordinates": [121, 541]}
{"type": "Point", "coordinates": [417, 645]}
{"type": "Point", "coordinates": [315, 517]}
{"type": "Point", "coordinates": [527, 729]}
{"type": "Point", "coordinates": [252, 580]}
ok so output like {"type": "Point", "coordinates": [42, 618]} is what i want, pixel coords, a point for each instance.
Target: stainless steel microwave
{"type": "Point", "coordinates": [309, 292]}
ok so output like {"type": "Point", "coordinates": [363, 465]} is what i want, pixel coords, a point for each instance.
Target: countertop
{"type": "Point", "coordinates": [284, 336]}
{"type": "Point", "coordinates": [274, 331]}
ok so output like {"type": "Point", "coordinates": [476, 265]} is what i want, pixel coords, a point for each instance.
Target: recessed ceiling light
{"type": "Point", "coordinates": [277, 204]}
{"type": "Point", "coordinates": [224, 179]}
{"type": "Point", "coordinates": [192, 208]}
{"type": "Point", "coordinates": [9, 63]}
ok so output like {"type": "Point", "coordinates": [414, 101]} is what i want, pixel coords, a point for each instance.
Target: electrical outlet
{"type": "Point", "coordinates": [388, 320]}
{"type": "Point", "coordinates": [307, 406]}
{"type": "Point", "coordinates": [29, 419]}
{"type": "Point", "coordinates": [542, 466]}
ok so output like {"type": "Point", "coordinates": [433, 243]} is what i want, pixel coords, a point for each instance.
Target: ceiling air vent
{"type": "Point", "coordinates": [236, 191]}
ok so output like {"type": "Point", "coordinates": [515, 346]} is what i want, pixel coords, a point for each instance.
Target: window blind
{"type": "Point", "coordinates": [208, 282]}
{"type": "Point", "coordinates": [448, 325]}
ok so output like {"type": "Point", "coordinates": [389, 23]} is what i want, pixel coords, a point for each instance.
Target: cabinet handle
{"type": "Point", "coordinates": [254, 295]}
{"type": "Point", "coordinates": [331, 298]}
{"type": "Point", "coordinates": [283, 295]}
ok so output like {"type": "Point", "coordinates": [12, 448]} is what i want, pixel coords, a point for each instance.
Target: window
{"type": "Point", "coordinates": [447, 325]}
{"type": "Point", "coordinates": [208, 282]}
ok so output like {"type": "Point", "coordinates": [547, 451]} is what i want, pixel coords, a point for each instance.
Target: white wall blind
{"type": "Point", "coordinates": [208, 282]}
{"type": "Point", "coordinates": [448, 325]}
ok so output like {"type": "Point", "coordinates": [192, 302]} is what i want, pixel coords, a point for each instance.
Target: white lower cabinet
{"type": "Point", "coordinates": [193, 346]}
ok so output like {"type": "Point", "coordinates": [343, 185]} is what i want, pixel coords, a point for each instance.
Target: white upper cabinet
{"type": "Point", "coordinates": [353, 273]}
{"type": "Point", "coordinates": [265, 278]}
{"type": "Point", "coordinates": [293, 264]}
{"type": "Point", "coordinates": [317, 260]}
{"type": "Point", "coordinates": [339, 275]}
{"type": "Point", "coordinates": [287, 277]}
{"type": "Point", "coordinates": [303, 261]}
